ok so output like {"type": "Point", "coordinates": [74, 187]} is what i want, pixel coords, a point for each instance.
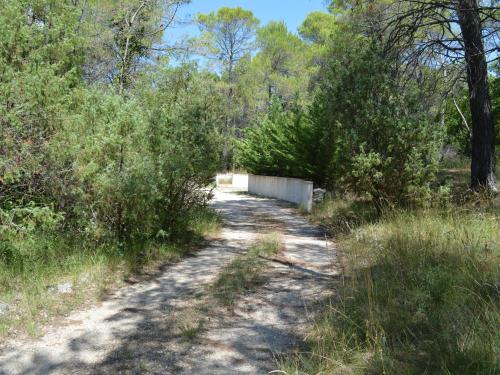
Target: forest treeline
{"type": "Point", "coordinates": [383, 97]}
{"type": "Point", "coordinates": [100, 132]}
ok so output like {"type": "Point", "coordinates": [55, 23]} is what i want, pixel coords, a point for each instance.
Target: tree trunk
{"type": "Point", "coordinates": [483, 131]}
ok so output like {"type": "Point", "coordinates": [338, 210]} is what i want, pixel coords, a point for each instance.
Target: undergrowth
{"type": "Point", "coordinates": [44, 260]}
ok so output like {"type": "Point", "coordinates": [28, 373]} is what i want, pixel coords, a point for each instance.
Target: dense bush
{"type": "Point", "coordinates": [364, 132]}
{"type": "Point", "coordinates": [118, 166]}
{"type": "Point", "coordinates": [109, 166]}
{"type": "Point", "coordinates": [383, 140]}
{"type": "Point", "coordinates": [139, 166]}
{"type": "Point", "coordinates": [39, 66]}
{"type": "Point", "coordinates": [93, 176]}
{"type": "Point", "coordinates": [277, 145]}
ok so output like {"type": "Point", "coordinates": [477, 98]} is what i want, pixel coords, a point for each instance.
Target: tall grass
{"type": "Point", "coordinates": [44, 260]}
{"type": "Point", "coordinates": [421, 297]}
{"type": "Point", "coordinates": [342, 216]}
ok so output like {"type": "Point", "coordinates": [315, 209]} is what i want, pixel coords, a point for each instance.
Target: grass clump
{"type": "Point", "coordinates": [244, 272]}
{"type": "Point", "coordinates": [189, 333]}
{"type": "Point", "coordinates": [342, 216]}
{"type": "Point", "coordinates": [189, 322]}
{"type": "Point", "coordinates": [422, 297]}
{"type": "Point", "coordinates": [205, 223]}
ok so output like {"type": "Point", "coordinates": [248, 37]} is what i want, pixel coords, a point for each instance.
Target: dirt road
{"type": "Point", "coordinates": [142, 328]}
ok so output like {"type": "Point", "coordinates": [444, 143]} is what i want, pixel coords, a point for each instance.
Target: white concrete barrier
{"type": "Point", "coordinates": [288, 189]}
{"type": "Point", "coordinates": [237, 181]}
{"type": "Point", "coordinates": [240, 181]}
{"type": "Point", "coordinates": [224, 179]}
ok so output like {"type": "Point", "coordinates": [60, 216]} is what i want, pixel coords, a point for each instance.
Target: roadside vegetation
{"type": "Point", "coordinates": [245, 272]}
{"type": "Point", "coordinates": [420, 293]}
{"type": "Point", "coordinates": [104, 161]}
{"type": "Point", "coordinates": [45, 262]}
{"type": "Point", "coordinates": [398, 143]}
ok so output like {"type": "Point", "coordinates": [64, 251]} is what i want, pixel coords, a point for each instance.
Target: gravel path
{"type": "Point", "coordinates": [142, 328]}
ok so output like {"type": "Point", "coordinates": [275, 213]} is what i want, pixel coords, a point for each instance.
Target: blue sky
{"type": "Point", "coordinates": [293, 12]}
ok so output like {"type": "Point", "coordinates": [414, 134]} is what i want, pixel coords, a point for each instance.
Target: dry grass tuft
{"type": "Point", "coordinates": [244, 272]}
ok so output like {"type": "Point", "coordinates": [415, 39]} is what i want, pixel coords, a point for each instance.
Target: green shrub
{"type": "Point", "coordinates": [19, 224]}
{"type": "Point", "coordinates": [277, 145]}
{"type": "Point", "coordinates": [374, 136]}
{"type": "Point", "coordinates": [365, 132]}
{"type": "Point", "coordinates": [40, 57]}
{"type": "Point", "coordinates": [139, 164]}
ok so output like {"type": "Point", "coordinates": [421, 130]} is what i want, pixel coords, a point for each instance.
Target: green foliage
{"type": "Point", "coordinates": [376, 137]}
{"type": "Point", "coordinates": [229, 37]}
{"type": "Point", "coordinates": [115, 166]}
{"type": "Point", "coordinates": [364, 132]}
{"type": "Point", "coordinates": [231, 33]}
{"type": "Point", "coordinates": [277, 145]}
{"type": "Point", "coordinates": [40, 57]}
{"type": "Point", "coordinates": [422, 298]}
{"type": "Point", "coordinates": [318, 27]}
{"type": "Point", "coordinates": [281, 65]}
{"type": "Point", "coordinates": [91, 174]}
{"type": "Point", "coordinates": [25, 220]}
{"type": "Point", "coordinates": [48, 255]}
{"type": "Point", "coordinates": [227, 16]}
{"type": "Point", "coordinates": [111, 164]}
{"type": "Point", "coordinates": [141, 163]}
{"type": "Point", "coordinates": [19, 224]}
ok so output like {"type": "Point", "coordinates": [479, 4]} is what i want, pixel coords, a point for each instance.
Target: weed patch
{"type": "Point", "coordinates": [244, 272]}
{"type": "Point", "coordinates": [342, 216]}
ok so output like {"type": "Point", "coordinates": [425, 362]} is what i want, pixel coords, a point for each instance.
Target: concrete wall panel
{"type": "Point", "coordinates": [237, 181]}
{"type": "Point", "coordinates": [288, 189]}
